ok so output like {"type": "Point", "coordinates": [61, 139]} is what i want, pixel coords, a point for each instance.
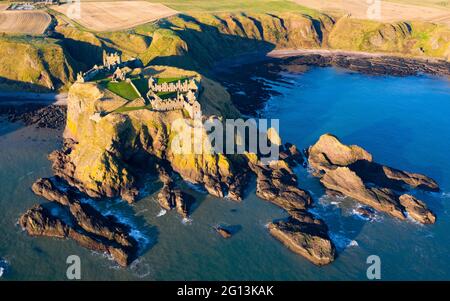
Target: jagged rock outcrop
{"type": "Point", "coordinates": [78, 221]}
{"type": "Point", "coordinates": [365, 212]}
{"type": "Point", "coordinates": [347, 182]}
{"type": "Point", "coordinates": [291, 155]}
{"type": "Point", "coordinates": [328, 152]}
{"type": "Point", "coordinates": [170, 197]}
{"type": "Point", "coordinates": [305, 235]}
{"type": "Point", "coordinates": [349, 170]}
{"type": "Point", "coordinates": [277, 183]}
{"type": "Point", "coordinates": [300, 232]}
{"type": "Point", "coordinates": [417, 209]}
{"type": "Point", "coordinates": [98, 154]}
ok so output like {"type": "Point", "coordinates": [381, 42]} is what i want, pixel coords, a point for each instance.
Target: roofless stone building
{"type": "Point", "coordinates": [185, 94]}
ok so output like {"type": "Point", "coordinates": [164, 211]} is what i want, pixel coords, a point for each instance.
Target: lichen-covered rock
{"type": "Point", "coordinates": [97, 156]}
{"type": "Point", "coordinates": [305, 235]}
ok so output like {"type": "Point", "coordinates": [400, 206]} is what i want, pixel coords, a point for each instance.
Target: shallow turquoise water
{"type": "Point", "coordinates": [403, 122]}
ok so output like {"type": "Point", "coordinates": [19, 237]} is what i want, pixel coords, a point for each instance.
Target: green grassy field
{"type": "Point", "coordinates": [123, 89]}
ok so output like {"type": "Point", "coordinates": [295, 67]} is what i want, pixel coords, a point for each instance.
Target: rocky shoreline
{"type": "Point", "coordinates": [32, 114]}
{"type": "Point", "coordinates": [249, 93]}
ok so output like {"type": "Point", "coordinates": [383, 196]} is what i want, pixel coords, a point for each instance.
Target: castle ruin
{"type": "Point", "coordinates": [111, 60]}
{"type": "Point", "coordinates": [186, 90]}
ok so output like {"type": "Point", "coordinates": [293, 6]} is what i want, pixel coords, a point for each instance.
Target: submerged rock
{"type": "Point", "coordinates": [305, 235]}
{"type": "Point", "coordinates": [349, 170]}
{"type": "Point", "coordinates": [365, 212]}
{"type": "Point", "coordinates": [225, 233]}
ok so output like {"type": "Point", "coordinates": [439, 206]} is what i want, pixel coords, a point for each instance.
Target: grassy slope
{"type": "Point", "coordinates": [207, 31]}
{"type": "Point", "coordinates": [38, 64]}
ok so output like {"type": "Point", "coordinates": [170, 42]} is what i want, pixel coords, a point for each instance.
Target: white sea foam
{"type": "Point", "coordinates": [3, 267]}
{"type": "Point", "coordinates": [186, 221]}
{"type": "Point", "coordinates": [445, 195]}
{"type": "Point", "coordinates": [356, 214]}
{"type": "Point", "coordinates": [140, 237]}
{"type": "Point", "coordinates": [161, 213]}
{"type": "Point", "coordinates": [341, 242]}
{"type": "Point", "coordinates": [140, 268]}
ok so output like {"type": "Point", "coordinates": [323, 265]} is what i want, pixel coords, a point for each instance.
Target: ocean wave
{"type": "Point", "coordinates": [342, 242]}
{"type": "Point", "coordinates": [140, 212]}
{"type": "Point", "coordinates": [335, 200]}
{"type": "Point", "coordinates": [445, 195]}
{"type": "Point", "coordinates": [196, 187]}
{"type": "Point", "coordinates": [137, 234]}
{"type": "Point", "coordinates": [374, 217]}
{"type": "Point", "coordinates": [358, 215]}
{"type": "Point", "coordinates": [3, 267]}
{"type": "Point", "coordinates": [161, 212]}
{"type": "Point", "coordinates": [140, 268]}
{"type": "Point", "coordinates": [186, 221]}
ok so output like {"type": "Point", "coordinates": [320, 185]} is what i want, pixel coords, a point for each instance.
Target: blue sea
{"type": "Point", "coordinates": [403, 121]}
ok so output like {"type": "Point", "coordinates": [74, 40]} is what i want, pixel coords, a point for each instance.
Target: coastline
{"type": "Point", "coordinates": [284, 53]}
{"type": "Point", "coordinates": [23, 97]}
{"type": "Point", "coordinates": [382, 63]}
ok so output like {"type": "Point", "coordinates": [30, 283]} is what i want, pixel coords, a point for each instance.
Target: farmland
{"type": "Point", "coordinates": [400, 10]}
{"type": "Point", "coordinates": [118, 15]}
{"type": "Point", "coordinates": [24, 22]}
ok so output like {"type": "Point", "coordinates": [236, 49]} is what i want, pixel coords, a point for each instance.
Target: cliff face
{"type": "Point", "coordinates": [34, 64]}
{"type": "Point", "coordinates": [99, 157]}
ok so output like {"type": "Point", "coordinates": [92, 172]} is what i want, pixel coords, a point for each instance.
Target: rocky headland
{"type": "Point", "coordinates": [107, 156]}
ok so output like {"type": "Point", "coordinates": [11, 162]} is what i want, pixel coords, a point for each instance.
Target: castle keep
{"type": "Point", "coordinates": [185, 94]}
